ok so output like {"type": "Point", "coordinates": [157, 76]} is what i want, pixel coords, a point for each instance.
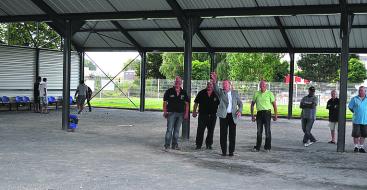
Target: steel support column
{"type": "Point", "coordinates": [37, 66]}
{"type": "Point", "coordinates": [81, 65]}
{"type": "Point", "coordinates": [345, 24]}
{"type": "Point", "coordinates": [66, 76]}
{"type": "Point", "coordinates": [188, 34]}
{"type": "Point", "coordinates": [291, 82]}
{"type": "Point", "coordinates": [142, 80]}
{"type": "Point", "coordinates": [213, 63]}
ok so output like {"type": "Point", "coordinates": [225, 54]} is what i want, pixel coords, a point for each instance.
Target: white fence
{"type": "Point", "coordinates": [155, 88]}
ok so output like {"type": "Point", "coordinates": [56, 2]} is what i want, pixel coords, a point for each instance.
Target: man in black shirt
{"type": "Point", "coordinates": [208, 104]}
{"type": "Point", "coordinates": [175, 109]}
{"type": "Point", "coordinates": [333, 107]}
{"type": "Point", "coordinates": [36, 95]}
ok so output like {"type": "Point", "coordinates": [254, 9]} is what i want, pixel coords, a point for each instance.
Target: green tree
{"type": "Point", "coordinates": [90, 65]}
{"type": "Point", "coordinates": [200, 70]}
{"type": "Point", "coordinates": [356, 71]}
{"type": "Point", "coordinates": [280, 71]}
{"type": "Point", "coordinates": [30, 34]}
{"type": "Point", "coordinates": [223, 70]}
{"type": "Point", "coordinates": [253, 66]}
{"type": "Point", "coordinates": [319, 67]}
{"type": "Point", "coordinates": [154, 62]}
{"type": "Point", "coordinates": [172, 65]}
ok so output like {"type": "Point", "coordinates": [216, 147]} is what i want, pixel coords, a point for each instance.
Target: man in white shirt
{"type": "Point", "coordinates": [81, 91]}
{"type": "Point", "coordinates": [43, 95]}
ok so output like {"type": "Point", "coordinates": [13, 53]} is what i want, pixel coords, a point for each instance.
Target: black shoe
{"type": "Point", "coordinates": [198, 148]}
{"type": "Point", "coordinates": [224, 154]}
{"type": "Point", "coordinates": [361, 150]}
{"type": "Point", "coordinates": [175, 147]}
{"type": "Point", "coordinates": [209, 147]}
{"type": "Point", "coordinates": [356, 149]}
{"type": "Point", "coordinates": [255, 149]}
{"type": "Point", "coordinates": [230, 154]}
{"type": "Point", "coordinates": [166, 147]}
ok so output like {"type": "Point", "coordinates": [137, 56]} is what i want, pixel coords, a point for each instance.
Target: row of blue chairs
{"type": "Point", "coordinates": [25, 100]}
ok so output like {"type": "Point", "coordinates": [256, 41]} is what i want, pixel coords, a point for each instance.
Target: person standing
{"type": "Point", "coordinates": [89, 97]}
{"type": "Point", "coordinates": [43, 95]}
{"type": "Point", "coordinates": [358, 106]}
{"type": "Point", "coordinates": [308, 116]}
{"type": "Point", "coordinates": [333, 107]}
{"type": "Point", "coordinates": [175, 109]}
{"type": "Point", "coordinates": [36, 95]}
{"type": "Point", "coordinates": [264, 101]}
{"type": "Point", "coordinates": [81, 91]}
{"type": "Point", "coordinates": [229, 110]}
{"type": "Point", "coordinates": [208, 103]}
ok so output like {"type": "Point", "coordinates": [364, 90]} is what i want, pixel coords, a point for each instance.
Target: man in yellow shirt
{"type": "Point", "coordinates": [264, 101]}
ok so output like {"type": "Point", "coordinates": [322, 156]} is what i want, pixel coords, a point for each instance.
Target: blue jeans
{"type": "Point", "coordinates": [174, 122]}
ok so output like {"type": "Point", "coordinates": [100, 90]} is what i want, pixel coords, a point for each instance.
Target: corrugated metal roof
{"type": "Point", "coordinates": [152, 39]}
{"type": "Point", "coordinates": [140, 5]}
{"type": "Point", "coordinates": [19, 7]}
{"type": "Point", "coordinates": [313, 38]}
{"type": "Point", "coordinates": [228, 38]}
{"type": "Point", "coordinates": [310, 20]}
{"type": "Point", "coordinates": [137, 24]}
{"type": "Point", "coordinates": [177, 38]}
{"type": "Point", "coordinates": [95, 40]}
{"type": "Point", "coordinates": [360, 19]}
{"type": "Point", "coordinates": [205, 4]}
{"type": "Point", "coordinates": [167, 23]}
{"type": "Point", "coordinates": [79, 6]}
{"type": "Point", "coordinates": [238, 21]}
{"type": "Point", "coordinates": [357, 38]}
{"type": "Point", "coordinates": [356, 1]}
{"type": "Point", "coordinates": [98, 25]}
{"type": "Point", "coordinates": [115, 39]}
{"type": "Point", "coordinates": [80, 37]}
{"type": "Point", "coordinates": [264, 38]}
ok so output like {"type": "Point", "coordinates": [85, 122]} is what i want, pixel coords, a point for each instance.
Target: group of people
{"type": "Point", "coordinates": [40, 95]}
{"type": "Point", "coordinates": [225, 103]}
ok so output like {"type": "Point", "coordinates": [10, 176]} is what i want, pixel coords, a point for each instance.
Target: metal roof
{"type": "Point", "coordinates": [231, 25]}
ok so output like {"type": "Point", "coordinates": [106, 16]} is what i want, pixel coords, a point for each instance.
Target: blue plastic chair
{"type": "Point", "coordinates": [71, 100]}
{"type": "Point", "coordinates": [27, 100]}
{"type": "Point", "coordinates": [52, 100]}
{"type": "Point", "coordinates": [18, 101]}
{"type": "Point", "coordinates": [6, 101]}
{"type": "Point", "coordinates": [73, 122]}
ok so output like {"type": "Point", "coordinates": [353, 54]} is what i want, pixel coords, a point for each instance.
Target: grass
{"type": "Point", "coordinates": [156, 104]}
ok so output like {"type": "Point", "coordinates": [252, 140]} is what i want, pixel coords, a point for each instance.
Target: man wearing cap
{"type": "Point", "coordinates": [265, 101]}
{"type": "Point", "coordinates": [308, 116]}
{"type": "Point", "coordinates": [358, 106]}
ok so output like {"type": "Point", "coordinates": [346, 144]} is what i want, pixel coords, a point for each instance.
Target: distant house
{"type": "Point", "coordinates": [128, 75]}
{"type": "Point", "coordinates": [297, 79]}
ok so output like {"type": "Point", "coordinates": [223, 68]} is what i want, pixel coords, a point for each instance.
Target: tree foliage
{"type": "Point", "coordinates": [154, 62]}
{"type": "Point", "coordinates": [89, 64]}
{"type": "Point", "coordinates": [30, 34]}
{"type": "Point", "coordinates": [172, 65]}
{"type": "Point", "coordinates": [356, 71]}
{"type": "Point", "coordinates": [200, 70]}
{"type": "Point", "coordinates": [256, 66]}
{"type": "Point", "coordinates": [319, 67]}
{"type": "Point", "coordinates": [223, 70]}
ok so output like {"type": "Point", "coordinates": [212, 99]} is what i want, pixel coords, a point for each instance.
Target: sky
{"type": "Point", "coordinates": [111, 62]}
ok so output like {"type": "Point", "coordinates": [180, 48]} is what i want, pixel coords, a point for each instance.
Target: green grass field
{"type": "Point", "coordinates": [156, 104]}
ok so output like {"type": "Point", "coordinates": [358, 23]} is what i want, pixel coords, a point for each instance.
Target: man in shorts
{"type": "Point", "coordinates": [81, 91]}
{"type": "Point", "coordinates": [333, 107]}
{"type": "Point", "coordinates": [358, 106]}
{"type": "Point", "coordinates": [36, 95]}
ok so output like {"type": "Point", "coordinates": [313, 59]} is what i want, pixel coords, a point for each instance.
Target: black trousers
{"type": "Point", "coordinates": [88, 102]}
{"type": "Point", "coordinates": [263, 119]}
{"type": "Point", "coordinates": [205, 121]}
{"type": "Point", "coordinates": [225, 124]}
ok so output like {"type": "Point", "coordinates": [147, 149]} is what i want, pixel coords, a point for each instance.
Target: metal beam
{"type": "Point", "coordinates": [212, 12]}
{"type": "Point", "coordinates": [213, 63]}
{"type": "Point", "coordinates": [181, 17]}
{"type": "Point", "coordinates": [66, 76]}
{"type": "Point", "coordinates": [229, 49]}
{"type": "Point", "coordinates": [142, 80]}
{"type": "Point", "coordinates": [345, 22]}
{"type": "Point", "coordinates": [291, 82]}
{"type": "Point", "coordinates": [284, 34]}
{"type": "Point", "coordinates": [128, 36]}
{"type": "Point", "coordinates": [81, 65]}
{"type": "Point", "coordinates": [223, 28]}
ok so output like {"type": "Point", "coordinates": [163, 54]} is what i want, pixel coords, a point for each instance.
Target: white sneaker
{"type": "Point", "coordinates": [306, 144]}
{"type": "Point", "coordinates": [310, 143]}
